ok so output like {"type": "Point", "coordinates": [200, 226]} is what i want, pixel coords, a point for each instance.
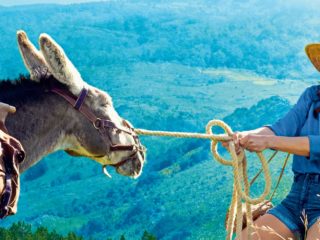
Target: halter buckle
{"type": "Point", "coordinates": [97, 123]}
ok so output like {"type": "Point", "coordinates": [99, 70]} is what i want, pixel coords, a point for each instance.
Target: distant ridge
{"type": "Point", "coordinates": [171, 65]}
{"type": "Point", "coordinates": [29, 7]}
{"type": "Point", "coordinates": [53, 3]}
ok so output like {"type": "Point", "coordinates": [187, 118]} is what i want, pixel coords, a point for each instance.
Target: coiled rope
{"type": "Point", "coordinates": [241, 185]}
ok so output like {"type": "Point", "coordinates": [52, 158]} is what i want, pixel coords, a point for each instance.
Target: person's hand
{"type": "Point", "coordinates": [252, 142]}
{"type": "Point", "coordinates": [10, 147]}
{"type": "Point", "coordinates": [4, 110]}
{"type": "Point", "coordinates": [236, 136]}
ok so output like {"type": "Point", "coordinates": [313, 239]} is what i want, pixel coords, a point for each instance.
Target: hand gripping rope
{"type": "Point", "coordinates": [241, 186]}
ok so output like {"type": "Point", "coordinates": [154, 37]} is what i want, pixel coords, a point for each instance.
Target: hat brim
{"type": "Point", "coordinates": [313, 53]}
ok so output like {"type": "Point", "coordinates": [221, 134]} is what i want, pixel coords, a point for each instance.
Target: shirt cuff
{"type": "Point", "coordinates": [314, 143]}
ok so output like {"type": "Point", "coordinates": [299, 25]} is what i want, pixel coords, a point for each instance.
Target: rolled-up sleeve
{"type": "Point", "coordinates": [314, 141]}
{"type": "Point", "coordinates": [293, 121]}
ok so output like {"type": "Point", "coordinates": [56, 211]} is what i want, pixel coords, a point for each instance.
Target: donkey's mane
{"type": "Point", "coordinates": [24, 89]}
{"type": "Point", "coordinates": [21, 81]}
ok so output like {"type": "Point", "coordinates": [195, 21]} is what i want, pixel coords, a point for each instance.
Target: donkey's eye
{"type": "Point", "coordinates": [104, 105]}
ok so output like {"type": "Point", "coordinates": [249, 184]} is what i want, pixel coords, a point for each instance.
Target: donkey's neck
{"type": "Point", "coordinates": [40, 123]}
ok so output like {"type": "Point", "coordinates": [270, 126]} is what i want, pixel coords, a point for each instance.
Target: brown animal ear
{"type": "Point", "coordinates": [60, 65]}
{"type": "Point", "coordinates": [32, 58]}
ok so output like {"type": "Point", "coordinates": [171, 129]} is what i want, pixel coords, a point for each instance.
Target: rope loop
{"type": "Point", "coordinates": [238, 164]}
{"type": "Point", "coordinates": [214, 143]}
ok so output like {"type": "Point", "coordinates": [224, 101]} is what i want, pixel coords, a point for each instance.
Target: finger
{"type": "Point", "coordinates": [238, 151]}
{"type": "Point", "coordinates": [8, 149]}
{"type": "Point", "coordinates": [226, 147]}
{"type": "Point", "coordinates": [255, 148]}
{"type": "Point", "coordinates": [15, 143]}
{"type": "Point", "coordinates": [12, 149]}
{"type": "Point", "coordinates": [4, 137]}
{"type": "Point", "coordinates": [224, 143]}
{"type": "Point", "coordinates": [7, 108]}
{"type": "Point", "coordinates": [237, 148]}
{"type": "Point", "coordinates": [236, 140]}
{"type": "Point", "coordinates": [244, 140]}
{"type": "Point", "coordinates": [235, 136]}
{"type": "Point", "coordinates": [247, 145]}
{"type": "Point", "coordinates": [4, 110]}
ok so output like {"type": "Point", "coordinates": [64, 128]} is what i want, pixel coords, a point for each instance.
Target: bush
{"type": "Point", "coordinates": [23, 231]}
{"type": "Point", "coordinates": [148, 236]}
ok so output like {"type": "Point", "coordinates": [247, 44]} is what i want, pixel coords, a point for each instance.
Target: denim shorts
{"type": "Point", "coordinates": [302, 202]}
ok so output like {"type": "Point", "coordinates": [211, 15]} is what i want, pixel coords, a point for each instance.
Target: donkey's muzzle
{"type": "Point", "coordinates": [131, 166]}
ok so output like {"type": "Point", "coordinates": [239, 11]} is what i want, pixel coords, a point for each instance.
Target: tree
{"type": "Point", "coordinates": [148, 236]}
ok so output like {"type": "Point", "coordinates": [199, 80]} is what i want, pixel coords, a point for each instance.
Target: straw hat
{"type": "Point", "coordinates": [313, 53]}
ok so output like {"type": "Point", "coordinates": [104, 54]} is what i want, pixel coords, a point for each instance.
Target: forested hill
{"type": "Point", "coordinates": [264, 37]}
{"type": "Point", "coordinates": [169, 65]}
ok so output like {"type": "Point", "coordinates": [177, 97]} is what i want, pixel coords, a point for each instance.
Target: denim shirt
{"type": "Point", "coordinates": [301, 121]}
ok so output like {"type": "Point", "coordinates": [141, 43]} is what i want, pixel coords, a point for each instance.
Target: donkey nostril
{"type": "Point", "coordinates": [138, 162]}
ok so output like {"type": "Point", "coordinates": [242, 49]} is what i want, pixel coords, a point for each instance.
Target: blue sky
{"type": "Point", "coordinates": [24, 2]}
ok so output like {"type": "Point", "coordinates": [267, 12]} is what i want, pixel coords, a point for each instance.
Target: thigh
{"type": "Point", "coordinates": [314, 231]}
{"type": "Point", "coordinates": [268, 227]}
{"type": "Point", "coordinates": [312, 208]}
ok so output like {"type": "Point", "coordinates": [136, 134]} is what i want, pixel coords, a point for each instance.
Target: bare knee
{"type": "Point", "coordinates": [314, 231]}
{"type": "Point", "coordinates": [267, 227]}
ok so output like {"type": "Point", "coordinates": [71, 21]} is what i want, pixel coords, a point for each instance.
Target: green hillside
{"type": "Point", "coordinates": [169, 65]}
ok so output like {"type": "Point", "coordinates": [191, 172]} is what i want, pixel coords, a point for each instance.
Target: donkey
{"type": "Point", "coordinates": [58, 110]}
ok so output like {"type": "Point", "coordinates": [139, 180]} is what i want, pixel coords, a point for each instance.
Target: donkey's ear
{"type": "Point", "coordinates": [32, 58]}
{"type": "Point", "coordinates": [60, 65]}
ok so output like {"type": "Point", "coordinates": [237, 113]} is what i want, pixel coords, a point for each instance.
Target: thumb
{"type": "Point", "coordinates": [8, 108]}
{"type": "Point", "coordinates": [4, 110]}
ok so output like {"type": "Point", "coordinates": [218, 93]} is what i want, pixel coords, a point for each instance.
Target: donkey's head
{"type": "Point", "coordinates": [98, 131]}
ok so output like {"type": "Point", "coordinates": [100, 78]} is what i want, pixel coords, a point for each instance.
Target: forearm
{"type": "Point", "coordinates": [295, 145]}
{"type": "Point", "coordinates": [260, 131]}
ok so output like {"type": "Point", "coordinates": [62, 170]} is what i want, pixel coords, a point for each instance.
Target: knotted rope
{"type": "Point", "coordinates": [241, 186]}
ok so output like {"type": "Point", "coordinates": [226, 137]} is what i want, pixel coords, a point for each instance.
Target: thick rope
{"type": "Point", "coordinates": [240, 176]}
{"type": "Point", "coordinates": [247, 192]}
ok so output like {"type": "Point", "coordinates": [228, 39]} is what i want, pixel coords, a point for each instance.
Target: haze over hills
{"type": "Point", "coordinates": [170, 65]}
{"type": "Point", "coordinates": [30, 2]}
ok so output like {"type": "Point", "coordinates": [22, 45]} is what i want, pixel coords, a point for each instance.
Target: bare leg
{"type": "Point", "coordinates": [268, 227]}
{"type": "Point", "coordinates": [314, 232]}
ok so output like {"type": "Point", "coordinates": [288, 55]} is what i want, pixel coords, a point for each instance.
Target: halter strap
{"type": "Point", "coordinates": [79, 105]}
{"type": "Point", "coordinates": [77, 102]}
{"type": "Point", "coordinates": [81, 98]}
{"type": "Point", "coordinates": [102, 124]}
